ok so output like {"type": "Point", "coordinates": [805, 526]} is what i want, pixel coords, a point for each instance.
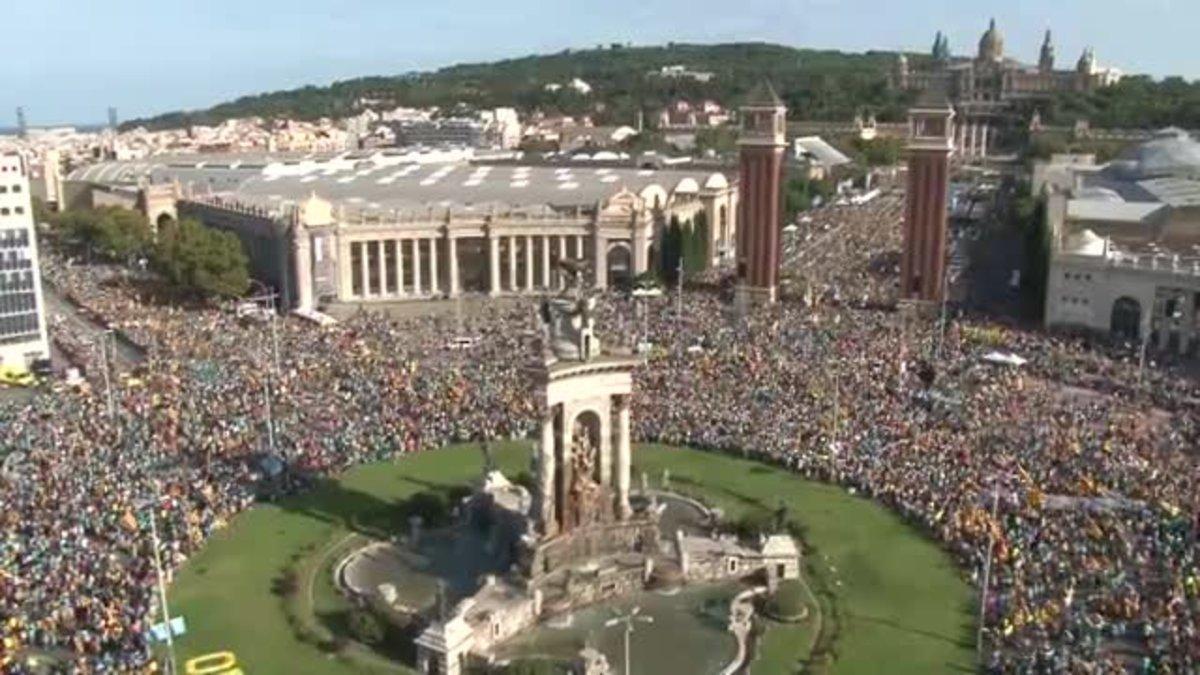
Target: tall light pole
{"type": "Point", "coordinates": [162, 584]}
{"type": "Point", "coordinates": [628, 620]}
{"type": "Point", "coordinates": [270, 297]}
{"type": "Point", "coordinates": [270, 421]}
{"type": "Point", "coordinates": [104, 340]}
{"type": "Point", "coordinates": [987, 576]}
{"type": "Point", "coordinates": [679, 289]}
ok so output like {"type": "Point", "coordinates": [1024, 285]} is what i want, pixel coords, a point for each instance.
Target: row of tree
{"type": "Point", "coordinates": [685, 243]}
{"type": "Point", "coordinates": [196, 259]}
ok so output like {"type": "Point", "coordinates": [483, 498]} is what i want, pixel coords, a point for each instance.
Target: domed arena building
{"type": "Point", "coordinates": [1125, 241]}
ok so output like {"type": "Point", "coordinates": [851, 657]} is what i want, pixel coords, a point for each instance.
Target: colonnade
{"type": "Point", "coordinates": [973, 138]}
{"type": "Point", "coordinates": [378, 268]}
{"type": "Point", "coordinates": [531, 261]}
{"type": "Point", "coordinates": [426, 266]}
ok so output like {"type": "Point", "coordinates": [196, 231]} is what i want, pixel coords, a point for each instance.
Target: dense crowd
{"type": "Point", "coordinates": [1091, 465]}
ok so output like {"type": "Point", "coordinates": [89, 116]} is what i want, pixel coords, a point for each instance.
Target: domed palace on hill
{"type": "Point", "coordinates": [983, 88]}
{"type": "Point", "coordinates": [992, 78]}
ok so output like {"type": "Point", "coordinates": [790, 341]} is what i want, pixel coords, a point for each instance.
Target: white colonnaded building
{"type": "Point", "coordinates": [386, 225]}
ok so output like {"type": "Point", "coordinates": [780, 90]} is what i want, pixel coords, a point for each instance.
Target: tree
{"type": "Point", "coordinates": [787, 603]}
{"type": "Point", "coordinates": [721, 140]}
{"type": "Point", "coordinates": [879, 151]}
{"type": "Point", "coordinates": [697, 248]}
{"type": "Point", "coordinates": [366, 627]}
{"type": "Point", "coordinates": [672, 250]}
{"type": "Point", "coordinates": [111, 232]}
{"type": "Point", "coordinates": [202, 260]}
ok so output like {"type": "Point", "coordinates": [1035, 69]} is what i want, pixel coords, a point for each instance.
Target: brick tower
{"type": "Point", "coordinates": [760, 195]}
{"type": "Point", "coordinates": [930, 144]}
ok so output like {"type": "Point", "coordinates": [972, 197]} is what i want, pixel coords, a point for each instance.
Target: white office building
{"type": "Point", "coordinates": [22, 322]}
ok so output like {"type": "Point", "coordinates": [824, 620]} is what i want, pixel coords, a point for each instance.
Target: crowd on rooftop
{"type": "Point", "coordinates": [1079, 470]}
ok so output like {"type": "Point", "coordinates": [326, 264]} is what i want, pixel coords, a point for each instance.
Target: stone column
{"type": "Point", "coordinates": [364, 267]}
{"type": "Point", "coordinates": [381, 265]}
{"type": "Point", "coordinates": [528, 263]}
{"type": "Point", "coordinates": [578, 247]}
{"type": "Point", "coordinates": [304, 281]}
{"type": "Point", "coordinates": [345, 285]}
{"type": "Point", "coordinates": [399, 244]}
{"type": "Point", "coordinates": [983, 141]}
{"type": "Point", "coordinates": [605, 451]}
{"type": "Point", "coordinates": [416, 266]}
{"type": "Point", "coordinates": [567, 416]}
{"type": "Point", "coordinates": [623, 458]}
{"type": "Point", "coordinates": [974, 152]}
{"type": "Point", "coordinates": [562, 255]}
{"type": "Point", "coordinates": [512, 264]}
{"type": "Point", "coordinates": [638, 245]}
{"type": "Point", "coordinates": [546, 476]}
{"type": "Point", "coordinates": [1187, 323]}
{"type": "Point", "coordinates": [599, 260]}
{"type": "Point", "coordinates": [493, 265]}
{"type": "Point", "coordinates": [1164, 325]}
{"type": "Point", "coordinates": [434, 282]}
{"type": "Point", "coordinates": [546, 263]}
{"type": "Point", "coordinates": [452, 255]}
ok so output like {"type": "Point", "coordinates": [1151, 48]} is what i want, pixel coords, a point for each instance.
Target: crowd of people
{"type": "Point", "coordinates": [1078, 471]}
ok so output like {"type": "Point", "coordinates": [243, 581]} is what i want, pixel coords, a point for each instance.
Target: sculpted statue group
{"type": "Point", "coordinates": [568, 319]}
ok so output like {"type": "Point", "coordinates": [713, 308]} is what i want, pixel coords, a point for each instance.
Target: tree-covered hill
{"type": "Point", "coordinates": [814, 84]}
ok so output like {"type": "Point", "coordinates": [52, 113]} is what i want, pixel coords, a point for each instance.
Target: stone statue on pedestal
{"type": "Point", "coordinates": [568, 321]}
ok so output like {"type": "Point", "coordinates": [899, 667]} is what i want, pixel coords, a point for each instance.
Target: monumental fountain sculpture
{"type": "Point", "coordinates": [578, 537]}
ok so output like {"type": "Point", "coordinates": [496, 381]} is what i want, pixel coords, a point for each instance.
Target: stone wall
{"type": "Point", "coordinates": [640, 535]}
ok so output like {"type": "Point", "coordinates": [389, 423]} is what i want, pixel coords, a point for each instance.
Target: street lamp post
{"type": "Point", "coordinates": [104, 340]}
{"type": "Point", "coordinates": [162, 584]}
{"type": "Point", "coordinates": [628, 620]}
{"type": "Point", "coordinates": [271, 297]}
{"type": "Point", "coordinates": [987, 577]}
{"type": "Point", "coordinates": [679, 290]}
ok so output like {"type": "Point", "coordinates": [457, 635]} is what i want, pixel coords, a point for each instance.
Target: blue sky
{"type": "Point", "coordinates": [76, 57]}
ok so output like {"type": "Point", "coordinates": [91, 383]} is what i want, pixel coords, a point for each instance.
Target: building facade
{"type": "Point", "coordinates": [23, 340]}
{"type": "Point", "coordinates": [1125, 242]}
{"type": "Point", "coordinates": [993, 78]}
{"type": "Point", "coordinates": [363, 231]}
{"type": "Point", "coordinates": [984, 88]}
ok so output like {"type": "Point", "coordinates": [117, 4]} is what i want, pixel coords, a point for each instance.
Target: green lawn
{"type": "Point", "coordinates": [900, 605]}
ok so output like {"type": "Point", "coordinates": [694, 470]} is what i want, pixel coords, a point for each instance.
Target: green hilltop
{"type": "Point", "coordinates": [814, 84]}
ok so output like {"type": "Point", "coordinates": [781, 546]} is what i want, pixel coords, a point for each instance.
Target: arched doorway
{"type": "Point", "coordinates": [1126, 318]}
{"type": "Point", "coordinates": [619, 262]}
{"type": "Point", "coordinates": [163, 222]}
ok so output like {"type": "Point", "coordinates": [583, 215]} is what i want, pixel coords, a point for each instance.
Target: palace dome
{"type": "Point", "coordinates": [991, 45]}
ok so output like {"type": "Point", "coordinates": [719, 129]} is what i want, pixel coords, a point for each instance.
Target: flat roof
{"type": "Point", "coordinates": [368, 184]}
